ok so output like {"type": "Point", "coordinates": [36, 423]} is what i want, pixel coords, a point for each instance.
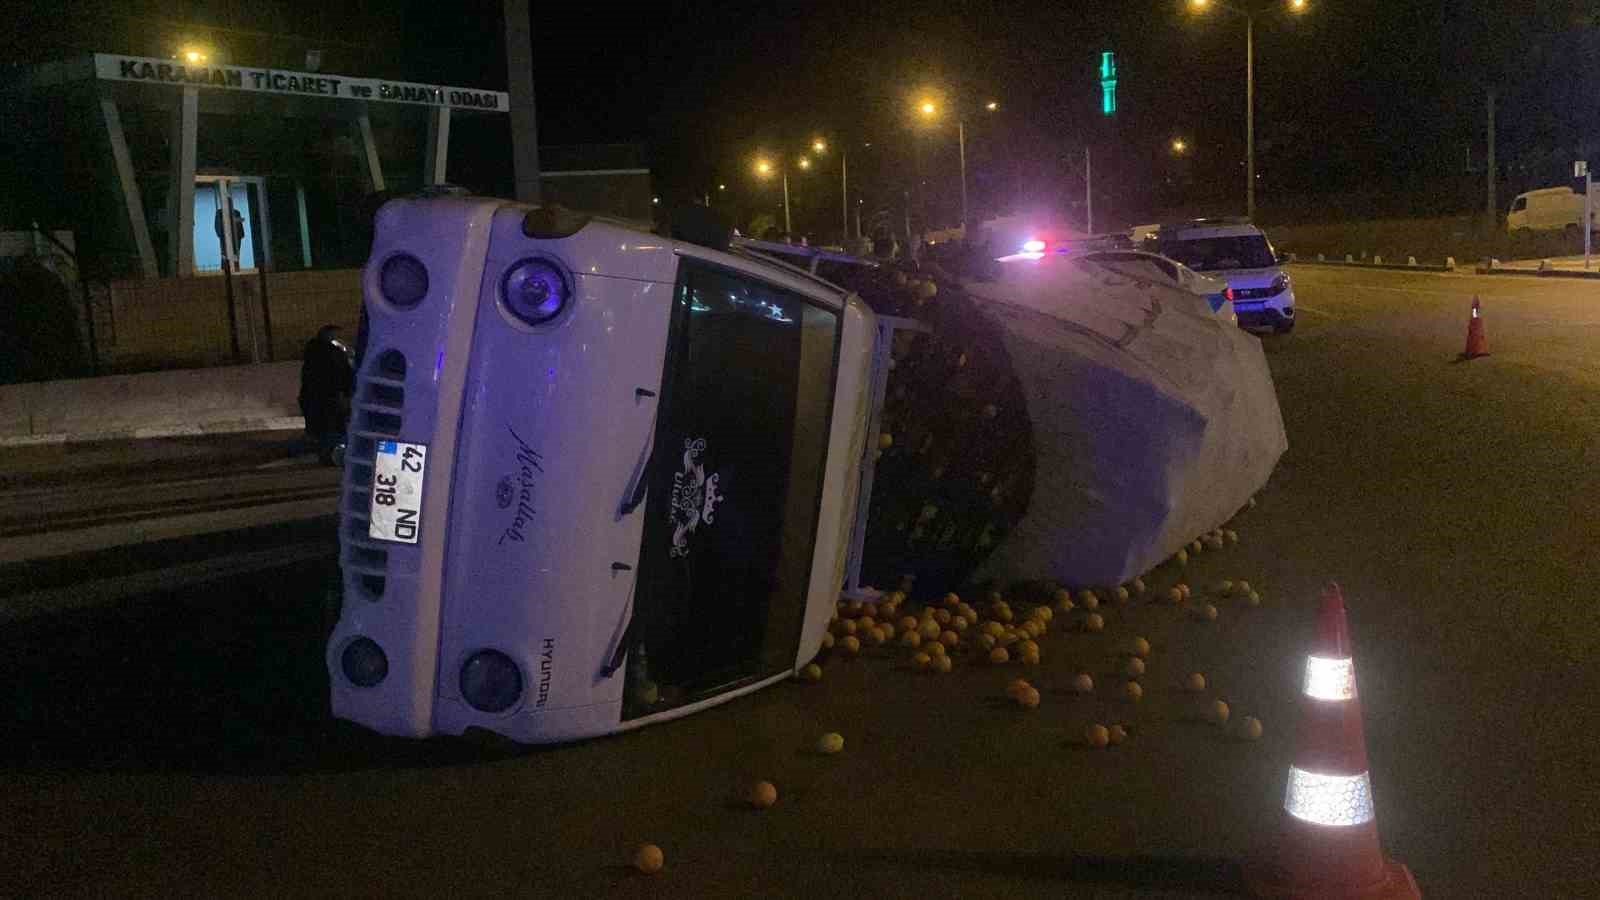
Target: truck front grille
{"type": "Point", "coordinates": [376, 414]}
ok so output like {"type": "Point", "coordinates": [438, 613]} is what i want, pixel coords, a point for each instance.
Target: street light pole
{"type": "Point", "coordinates": [961, 136]}
{"type": "Point", "coordinates": [787, 228]}
{"type": "Point", "coordinates": [844, 194]}
{"type": "Point", "coordinates": [1250, 115]}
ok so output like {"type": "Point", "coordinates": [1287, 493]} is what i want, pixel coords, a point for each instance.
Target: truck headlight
{"type": "Point", "coordinates": [491, 681]}
{"type": "Point", "coordinates": [364, 662]}
{"type": "Point", "coordinates": [403, 280]}
{"type": "Point", "coordinates": [535, 290]}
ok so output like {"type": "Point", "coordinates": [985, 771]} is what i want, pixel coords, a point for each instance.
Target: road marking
{"type": "Point", "coordinates": [1397, 290]}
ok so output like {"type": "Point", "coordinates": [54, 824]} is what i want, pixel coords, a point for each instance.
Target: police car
{"type": "Point", "coordinates": [1237, 252]}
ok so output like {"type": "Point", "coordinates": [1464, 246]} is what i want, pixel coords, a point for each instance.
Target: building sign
{"type": "Point", "coordinates": [110, 67]}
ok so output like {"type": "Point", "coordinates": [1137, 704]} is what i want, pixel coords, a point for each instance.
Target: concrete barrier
{"type": "Point", "coordinates": [186, 401]}
{"type": "Point", "coordinates": [1410, 264]}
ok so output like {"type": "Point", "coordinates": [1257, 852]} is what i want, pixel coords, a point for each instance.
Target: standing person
{"type": "Point", "coordinates": [232, 262]}
{"type": "Point", "coordinates": [327, 379]}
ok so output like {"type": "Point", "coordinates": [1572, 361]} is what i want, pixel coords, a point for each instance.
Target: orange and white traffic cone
{"type": "Point", "coordinates": [1477, 343]}
{"type": "Point", "coordinates": [1328, 844]}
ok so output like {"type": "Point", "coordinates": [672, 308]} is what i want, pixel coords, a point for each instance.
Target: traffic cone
{"type": "Point", "coordinates": [1327, 846]}
{"type": "Point", "coordinates": [1477, 344]}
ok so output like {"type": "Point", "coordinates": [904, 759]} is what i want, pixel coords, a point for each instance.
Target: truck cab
{"type": "Point", "coordinates": [596, 477]}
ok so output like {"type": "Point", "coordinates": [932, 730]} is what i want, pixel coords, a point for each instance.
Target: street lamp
{"type": "Point", "coordinates": [929, 111]}
{"type": "Point", "coordinates": [1179, 146]}
{"type": "Point", "coordinates": [1249, 16]}
{"type": "Point", "coordinates": [193, 54]}
{"type": "Point", "coordinates": [764, 169]}
{"type": "Point", "coordinates": [820, 146]}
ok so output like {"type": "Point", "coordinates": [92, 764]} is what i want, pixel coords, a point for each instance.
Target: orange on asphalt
{"type": "Point", "coordinates": [648, 859]}
{"type": "Point", "coordinates": [763, 794]}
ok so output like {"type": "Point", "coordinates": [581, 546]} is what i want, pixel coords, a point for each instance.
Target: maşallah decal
{"type": "Point", "coordinates": [694, 496]}
{"type": "Point", "coordinates": [521, 491]}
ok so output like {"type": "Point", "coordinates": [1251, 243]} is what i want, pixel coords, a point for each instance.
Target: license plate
{"type": "Point", "coordinates": [397, 492]}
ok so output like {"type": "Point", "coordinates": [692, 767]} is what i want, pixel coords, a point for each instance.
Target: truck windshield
{"type": "Point", "coordinates": [735, 485]}
{"type": "Point", "coordinates": [1245, 251]}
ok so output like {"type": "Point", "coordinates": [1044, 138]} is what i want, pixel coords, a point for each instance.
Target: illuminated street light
{"type": "Point", "coordinates": [1179, 145]}
{"type": "Point", "coordinates": [193, 54]}
{"type": "Point", "coordinates": [1249, 15]}
{"type": "Point", "coordinates": [722, 187]}
{"type": "Point", "coordinates": [764, 168]}
{"type": "Point", "coordinates": [929, 110]}
{"type": "Point", "coordinates": [804, 163]}
{"type": "Point", "coordinates": [819, 146]}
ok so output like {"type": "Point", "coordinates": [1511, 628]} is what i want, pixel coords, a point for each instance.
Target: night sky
{"type": "Point", "coordinates": [1353, 95]}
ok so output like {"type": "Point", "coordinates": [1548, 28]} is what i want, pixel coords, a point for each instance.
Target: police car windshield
{"type": "Point", "coordinates": [1245, 251]}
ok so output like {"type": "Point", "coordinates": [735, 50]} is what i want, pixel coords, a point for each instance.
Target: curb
{"type": "Point", "coordinates": [1536, 273]}
{"type": "Point", "coordinates": [1396, 267]}
{"type": "Point", "coordinates": [236, 426]}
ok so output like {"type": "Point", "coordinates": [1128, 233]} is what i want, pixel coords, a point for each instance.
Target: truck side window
{"type": "Point", "coordinates": [1519, 204]}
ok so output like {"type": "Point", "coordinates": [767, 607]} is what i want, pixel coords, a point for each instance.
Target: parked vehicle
{"type": "Point", "coordinates": [1551, 209]}
{"type": "Point", "coordinates": [1240, 254]}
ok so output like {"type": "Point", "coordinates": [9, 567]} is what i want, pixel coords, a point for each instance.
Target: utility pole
{"type": "Point", "coordinates": [961, 132]}
{"type": "Point", "coordinates": [524, 121]}
{"type": "Point", "coordinates": [1492, 210]}
{"type": "Point", "coordinates": [1250, 117]}
{"type": "Point", "coordinates": [844, 192]}
{"type": "Point", "coordinates": [1088, 192]}
{"type": "Point", "coordinates": [787, 228]}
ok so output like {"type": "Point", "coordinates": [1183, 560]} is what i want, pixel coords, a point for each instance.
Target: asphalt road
{"type": "Point", "coordinates": [178, 743]}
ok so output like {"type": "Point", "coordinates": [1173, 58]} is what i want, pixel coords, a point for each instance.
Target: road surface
{"type": "Point", "coordinates": [178, 742]}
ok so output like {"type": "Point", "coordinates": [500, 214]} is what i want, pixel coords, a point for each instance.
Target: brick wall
{"type": "Point", "coordinates": [169, 323]}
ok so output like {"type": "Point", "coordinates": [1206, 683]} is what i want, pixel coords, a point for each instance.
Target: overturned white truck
{"type": "Point", "coordinates": [598, 478]}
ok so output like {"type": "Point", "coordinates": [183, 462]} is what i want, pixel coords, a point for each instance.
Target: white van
{"type": "Point", "coordinates": [1550, 209]}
